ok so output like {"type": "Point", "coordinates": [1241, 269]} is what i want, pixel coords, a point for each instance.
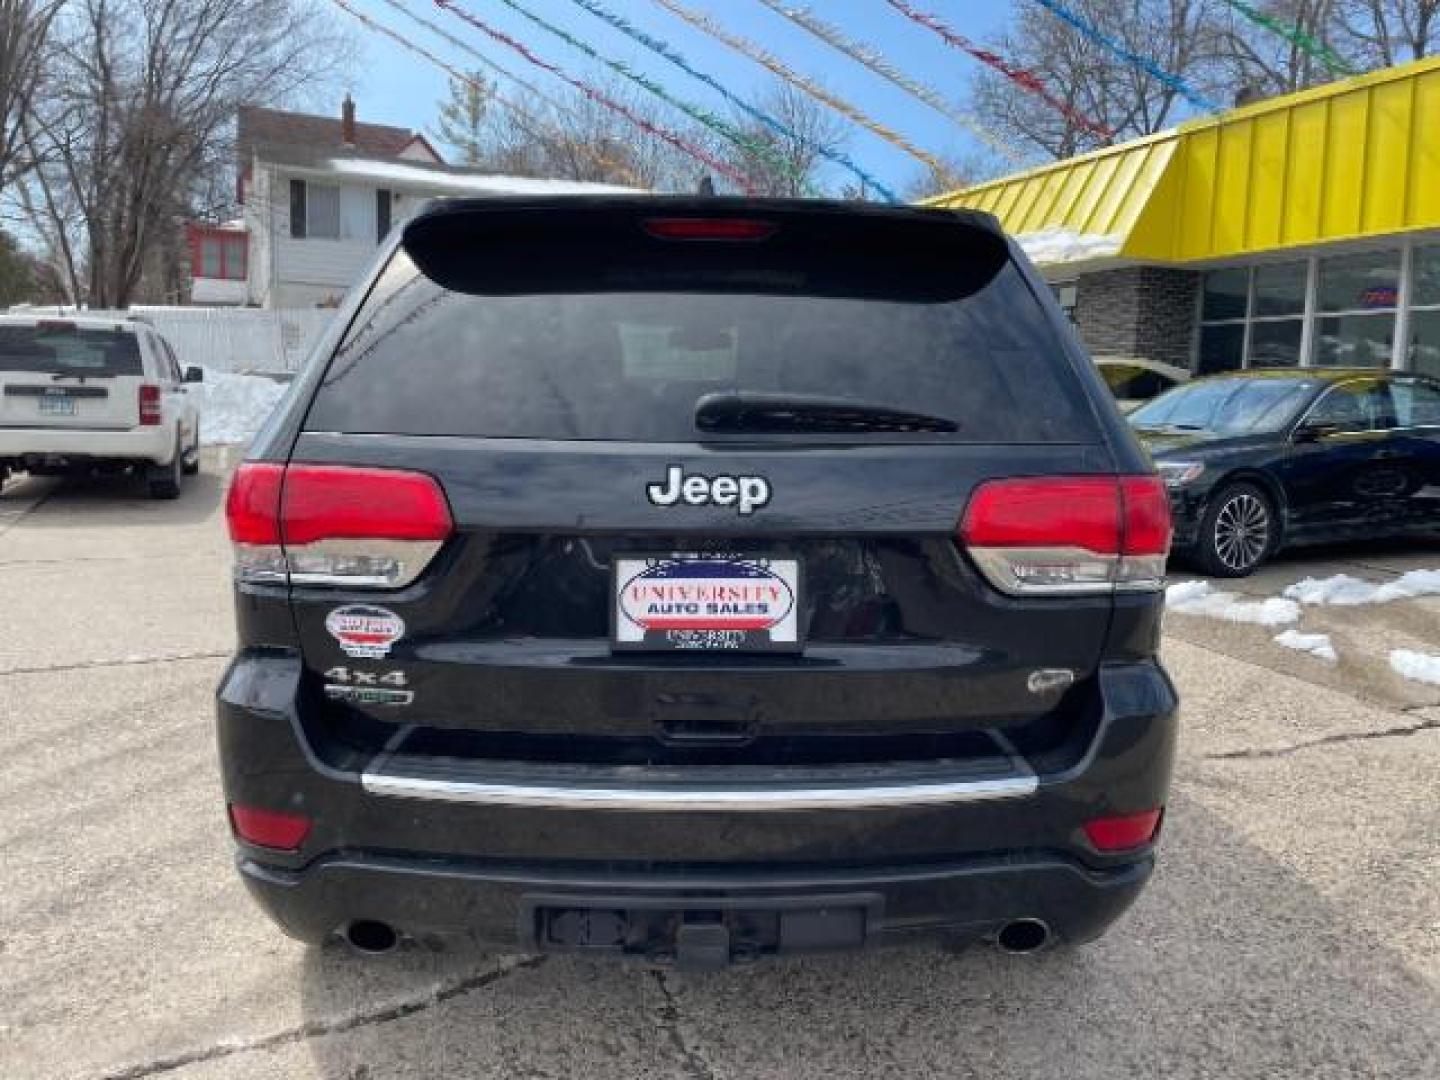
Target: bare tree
{"type": "Point", "coordinates": [790, 165]}
{"type": "Point", "coordinates": [1259, 62]}
{"type": "Point", "coordinates": [577, 137]}
{"type": "Point", "coordinates": [24, 27]}
{"type": "Point", "coordinates": [1380, 33]}
{"type": "Point", "coordinates": [138, 116]}
{"type": "Point", "coordinates": [1180, 36]}
{"type": "Point", "coordinates": [957, 173]}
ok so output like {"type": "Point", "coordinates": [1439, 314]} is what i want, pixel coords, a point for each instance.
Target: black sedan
{"type": "Point", "coordinates": [1260, 460]}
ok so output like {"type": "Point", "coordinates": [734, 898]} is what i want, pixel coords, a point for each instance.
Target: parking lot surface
{"type": "Point", "coordinates": [1292, 929]}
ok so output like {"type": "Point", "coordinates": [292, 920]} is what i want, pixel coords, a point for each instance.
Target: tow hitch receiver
{"type": "Point", "coordinates": [723, 931]}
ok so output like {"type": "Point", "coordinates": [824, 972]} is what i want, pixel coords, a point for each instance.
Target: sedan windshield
{"type": "Point", "coordinates": [1227, 406]}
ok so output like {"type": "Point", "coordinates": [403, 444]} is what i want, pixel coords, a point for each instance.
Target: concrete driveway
{"type": "Point", "coordinates": [1293, 928]}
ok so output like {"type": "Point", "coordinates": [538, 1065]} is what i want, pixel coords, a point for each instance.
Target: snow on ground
{"type": "Point", "coordinates": [232, 407]}
{"type": "Point", "coordinates": [1344, 590]}
{"type": "Point", "coordinates": [1317, 645]}
{"type": "Point", "coordinates": [1199, 598]}
{"type": "Point", "coordinates": [1419, 666]}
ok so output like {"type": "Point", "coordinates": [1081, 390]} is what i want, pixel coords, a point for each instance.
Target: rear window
{"type": "Point", "coordinates": [631, 365]}
{"type": "Point", "coordinates": [69, 349]}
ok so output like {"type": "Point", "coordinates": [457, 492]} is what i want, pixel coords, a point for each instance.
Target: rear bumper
{"type": "Point", "coordinates": [475, 859]}
{"type": "Point", "coordinates": [503, 906]}
{"type": "Point", "coordinates": [150, 444]}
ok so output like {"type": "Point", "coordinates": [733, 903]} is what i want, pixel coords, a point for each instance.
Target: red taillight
{"type": "Point", "coordinates": [1079, 510]}
{"type": "Point", "coordinates": [150, 409]}
{"type": "Point", "coordinates": [1147, 516]}
{"type": "Point", "coordinates": [326, 502]}
{"type": "Point", "coordinates": [710, 229]}
{"type": "Point", "coordinates": [252, 509]}
{"type": "Point", "coordinates": [1069, 534]}
{"type": "Point", "coordinates": [269, 828]}
{"type": "Point", "coordinates": [1124, 832]}
{"type": "Point", "coordinates": [335, 525]}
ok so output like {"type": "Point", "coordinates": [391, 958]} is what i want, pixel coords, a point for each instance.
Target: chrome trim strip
{"type": "Point", "coordinates": [756, 799]}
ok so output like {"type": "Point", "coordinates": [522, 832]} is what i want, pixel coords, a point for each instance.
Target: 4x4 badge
{"type": "Point", "coordinates": [363, 631]}
{"type": "Point", "coordinates": [746, 493]}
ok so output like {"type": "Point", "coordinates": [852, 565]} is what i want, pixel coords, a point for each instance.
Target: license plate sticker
{"type": "Point", "coordinates": [707, 602]}
{"type": "Point", "coordinates": [52, 405]}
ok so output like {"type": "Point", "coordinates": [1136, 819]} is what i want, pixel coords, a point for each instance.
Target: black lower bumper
{"type": "Point", "coordinates": [515, 907]}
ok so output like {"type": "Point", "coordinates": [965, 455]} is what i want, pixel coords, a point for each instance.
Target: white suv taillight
{"type": "Point", "coordinates": [151, 410]}
{"type": "Point", "coordinates": [1068, 535]}
{"type": "Point", "coordinates": [335, 524]}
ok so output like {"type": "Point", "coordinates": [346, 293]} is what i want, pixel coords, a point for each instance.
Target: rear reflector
{"type": "Point", "coordinates": [335, 525]}
{"type": "Point", "coordinates": [150, 408]}
{"type": "Point", "coordinates": [1124, 832]}
{"type": "Point", "coordinates": [269, 828]}
{"type": "Point", "coordinates": [1069, 534]}
{"type": "Point", "coordinates": [710, 229]}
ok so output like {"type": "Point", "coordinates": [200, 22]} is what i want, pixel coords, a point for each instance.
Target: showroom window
{"type": "Point", "coordinates": [1253, 317]}
{"type": "Point", "coordinates": [1423, 336]}
{"type": "Point", "coordinates": [1367, 309]}
{"type": "Point", "coordinates": [1355, 310]}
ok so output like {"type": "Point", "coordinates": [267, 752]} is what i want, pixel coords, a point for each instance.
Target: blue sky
{"type": "Point", "coordinates": [393, 86]}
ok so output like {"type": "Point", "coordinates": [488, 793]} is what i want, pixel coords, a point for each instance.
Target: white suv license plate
{"type": "Point", "coordinates": [709, 603]}
{"type": "Point", "coordinates": [57, 406]}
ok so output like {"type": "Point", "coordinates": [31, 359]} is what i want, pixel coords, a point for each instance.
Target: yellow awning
{"type": "Point", "coordinates": [1345, 161]}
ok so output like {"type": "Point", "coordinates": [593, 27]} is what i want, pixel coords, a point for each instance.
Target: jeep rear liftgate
{"type": "Point", "coordinates": [703, 578]}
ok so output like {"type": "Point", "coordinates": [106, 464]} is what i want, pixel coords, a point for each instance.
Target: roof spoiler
{"type": "Point", "coordinates": [622, 243]}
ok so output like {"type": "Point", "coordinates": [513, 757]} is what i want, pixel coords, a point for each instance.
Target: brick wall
{"type": "Point", "coordinates": [1146, 311]}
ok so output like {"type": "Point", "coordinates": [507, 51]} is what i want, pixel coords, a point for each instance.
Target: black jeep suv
{"type": "Point", "coordinates": [697, 579]}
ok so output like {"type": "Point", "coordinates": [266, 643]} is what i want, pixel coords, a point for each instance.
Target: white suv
{"type": "Point", "coordinates": [81, 393]}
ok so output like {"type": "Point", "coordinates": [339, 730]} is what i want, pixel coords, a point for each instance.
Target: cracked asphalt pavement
{"type": "Point", "coordinates": [1292, 929]}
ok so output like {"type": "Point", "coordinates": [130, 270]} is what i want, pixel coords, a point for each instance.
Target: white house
{"type": "Point", "coordinates": [319, 195]}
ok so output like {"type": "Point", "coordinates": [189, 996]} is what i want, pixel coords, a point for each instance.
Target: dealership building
{"type": "Point", "coordinates": [1301, 230]}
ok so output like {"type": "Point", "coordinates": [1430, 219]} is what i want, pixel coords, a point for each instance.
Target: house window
{"type": "Point", "coordinates": [382, 214]}
{"type": "Point", "coordinates": [314, 211]}
{"type": "Point", "coordinates": [1356, 302]}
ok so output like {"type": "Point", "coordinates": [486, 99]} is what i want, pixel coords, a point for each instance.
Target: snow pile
{"type": "Point", "coordinates": [232, 407]}
{"type": "Point", "coordinates": [1419, 666]}
{"type": "Point", "coordinates": [1198, 598]}
{"type": "Point", "coordinates": [1344, 590]}
{"type": "Point", "coordinates": [1317, 645]}
{"type": "Point", "coordinates": [1067, 245]}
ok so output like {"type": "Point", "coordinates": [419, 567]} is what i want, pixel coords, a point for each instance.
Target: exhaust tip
{"type": "Point", "coordinates": [1023, 936]}
{"type": "Point", "coordinates": [371, 937]}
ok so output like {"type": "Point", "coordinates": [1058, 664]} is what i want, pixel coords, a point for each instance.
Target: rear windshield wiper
{"type": "Point", "coordinates": [748, 411]}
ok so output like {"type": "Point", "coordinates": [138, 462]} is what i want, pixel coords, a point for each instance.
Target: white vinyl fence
{"type": "Point", "coordinates": [233, 339]}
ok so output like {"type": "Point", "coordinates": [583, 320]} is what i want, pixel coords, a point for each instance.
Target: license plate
{"type": "Point", "coordinates": [710, 603]}
{"type": "Point", "coordinates": [57, 406]}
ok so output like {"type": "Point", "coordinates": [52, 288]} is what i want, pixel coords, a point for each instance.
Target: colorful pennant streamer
{"type": "Point", "coordinates": [1144, 63]}
{"type": "Point", "coordinates": [527, 121]}
{"type": "Point", "coordinates": [1297, 37]}
{"type": "Point", "coordinates": [1022, 77]}
{"type": "Point", "coordinates": [661, 48]}
{"type": "Point", "coordinates": [761, 150]}
{"type": "Point", "coordinates": [819, 93]}
{"type": "Point", "coordinates": [870, 58]}
{"type": "Point", "coordinates": [663, 133]}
